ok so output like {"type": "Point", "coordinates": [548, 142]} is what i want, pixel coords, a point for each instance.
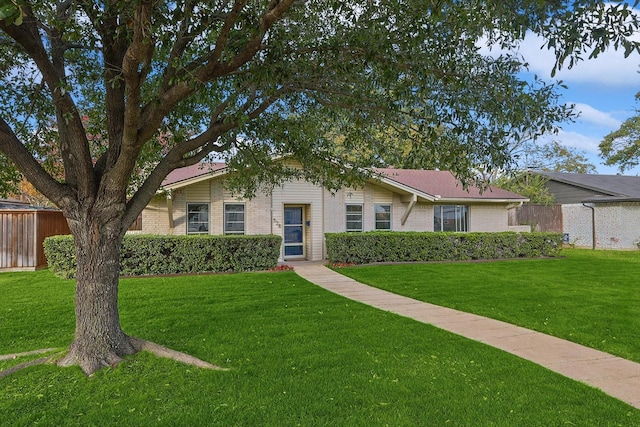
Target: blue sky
{"type": "Point", "coordinates": [603, 90]}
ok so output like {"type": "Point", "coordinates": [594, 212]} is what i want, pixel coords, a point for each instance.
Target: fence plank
{"type": "Point", "coordinates": [540, 217]}
{"type": "Point", "coordinates": [22, 233]}
{"type": "Point", "coordinates": [50, 223]}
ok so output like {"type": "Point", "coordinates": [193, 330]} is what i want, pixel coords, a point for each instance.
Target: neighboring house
{"type": "Point", "coordinates": [599, 211]}
{"type": "Point", "coordinates": [193, 200]}
{"type": "Point", "coordinates": [23, 228]}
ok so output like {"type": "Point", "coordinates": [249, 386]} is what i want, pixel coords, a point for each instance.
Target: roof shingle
{"type": "Point", "coordinates": [444, 184]}
{"type": "Point", "coordinates": [614, 185]}
{"type": "Point", "coordinates": [192, 171]}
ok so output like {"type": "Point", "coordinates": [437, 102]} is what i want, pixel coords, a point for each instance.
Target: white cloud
{"type": "Point", "coordinates": [610, 68]}
{"type": "Point", "coordinates": [573, 139]}
{"type": "Point", "coordinates": [589, 146]}
{"type": "Point", "coordinates": [591, 115]}
{"type": "Point", "coordinates": [602, 90]}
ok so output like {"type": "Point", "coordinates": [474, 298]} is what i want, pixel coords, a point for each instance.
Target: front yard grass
{"type": "Point", "coordinates": [297, 355]}
{"type": "Point", "coordinates": [589, 297]}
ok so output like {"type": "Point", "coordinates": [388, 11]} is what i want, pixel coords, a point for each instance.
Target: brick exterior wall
{"type": "Point", "coordinates": [488, 218]}
{"type": "Point", "coordinates": [155, 217]}
{"type": "Point", "coordinates": [216, 213]}
{"type": "Point", "coordinates": [420, 218]}
{"type": "Point", "coordinates": [616, 225]}
{"type": "Point", "coordinates": [258, 215]}
{"type": "Point", "coordinates": [324, 212]}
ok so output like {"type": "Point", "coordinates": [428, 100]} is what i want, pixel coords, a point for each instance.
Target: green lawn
{"type": "Point", "coordinates": [297, 354]}
{"type": "Point", "coordinates": [590, 297]}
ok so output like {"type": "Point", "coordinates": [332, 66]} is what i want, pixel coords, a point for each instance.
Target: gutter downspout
{"type": "Point", "coordinates": [593, 224]}
{"type": "Point", "coordinates": [514, 205]}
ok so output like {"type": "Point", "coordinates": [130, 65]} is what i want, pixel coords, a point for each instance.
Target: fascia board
{"type": "Point", "coordinates": [407, 189]}
{"type": "Point", "coordinates": [479, 200]}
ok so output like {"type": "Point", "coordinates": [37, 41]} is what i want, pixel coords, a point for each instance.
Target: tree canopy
{"type": "Point", "coordinates": [622, 146]}
{"type": "Point", "coordinates": [529, 184]}
{"type": "Point", "coordinates": [549, 157]}
{"type": "Point", "coordinates": [554, 157]}
{"type": "Point", "coordinates": [254, 80]}
{"type": "Point", "coordinates": [119, 93]}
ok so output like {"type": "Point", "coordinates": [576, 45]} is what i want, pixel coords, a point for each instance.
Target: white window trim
{"type": "Point", "coordinates": [244, 219]}
{"type": "Point", "coordinates": [346, 217]}
{"type": "Point", "coordinates": [468, 217]}
{"type": "Point", "coordinates": [208, 217]}
{"type": "Point", "coordinates": [375, 220]}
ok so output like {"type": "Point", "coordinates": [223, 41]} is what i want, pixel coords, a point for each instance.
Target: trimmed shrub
{"type": "Point", "coordinates": [61, 255]}
{"type": "Point", "coordinates": [143, 255]}
{"type": "Point", "coordinates": [394, 246]}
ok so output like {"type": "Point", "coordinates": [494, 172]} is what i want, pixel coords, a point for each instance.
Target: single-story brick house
{"type": "Point", "coordinates": [598, 211]}
{"type": "Point", "coordinates": [193, 200]}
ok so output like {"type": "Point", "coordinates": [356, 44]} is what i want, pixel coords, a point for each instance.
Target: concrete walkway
{"type": "Point", "coordinates": [613, 375]}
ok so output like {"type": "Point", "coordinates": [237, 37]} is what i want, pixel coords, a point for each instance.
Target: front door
{"type": "Point", "coordinates": [294, 232]}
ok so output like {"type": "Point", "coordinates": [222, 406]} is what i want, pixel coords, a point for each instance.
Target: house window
{"type": "Point", "coordinates": [354, 218]}
{"type": "Point", "coordinates": [198, 218]}
{"type": "Point", "coordinates": [450, 218]}
{"type": "Point", "coordinates": [234, 218]}
{"type": "Point", "coordinates": [383, 217]}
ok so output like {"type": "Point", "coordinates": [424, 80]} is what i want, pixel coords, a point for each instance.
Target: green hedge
{"type": "Point", "coordinates": [153, 254]}
{"type": "Point", "coordinates": [376, 246]}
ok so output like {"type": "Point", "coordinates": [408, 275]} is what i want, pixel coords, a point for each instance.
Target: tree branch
{"type": "Point", "coordinates": [180, 45]}
{"type": "Point", "coordinates": [73, 144]}
{"type": "Point", "coordinates": [31, 169]}
{"type": "Point", "coordinates": [203, 143]}
{"type": "Point", "coordinates": [223, 37]}
{"type": "Point", "coordinates": [135, 66]}
{"type": "Point", "coordinates": [132, 63]}
{"type": "Point", "coordinates": [154, 112]}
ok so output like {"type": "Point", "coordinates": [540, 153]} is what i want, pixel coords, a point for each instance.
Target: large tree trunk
{"type": "Point", "coordinates": [99, 340]}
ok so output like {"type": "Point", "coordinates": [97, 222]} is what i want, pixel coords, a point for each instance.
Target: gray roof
{"type": "Point", "coordinates": [619, 187]}
{"type": "Point", "coordinates": [10, 204]}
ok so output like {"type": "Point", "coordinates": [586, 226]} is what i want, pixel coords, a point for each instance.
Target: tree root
{"type": "Point", "coordinates": [26, 353]}
{"type": "Point", "coordinates": [178, 356]}
{"type": "Point", "coordinates": [16, 368]}
{"type": "Point", "coordinates": [112, 360]}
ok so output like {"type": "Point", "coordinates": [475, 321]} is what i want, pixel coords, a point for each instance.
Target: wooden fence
{"type": "Point", "coordinates": [22, 232]}
{"type": "Point", "coordinates": [539, 217]}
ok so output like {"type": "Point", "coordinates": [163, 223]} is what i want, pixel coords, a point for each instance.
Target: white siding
{"type": "Point", "coordinates": [199, 192]}
{"type": "Point", "coordinates": [334, 211]}
{"type": "Point", "coordinates": [382, 195]}
{"type": "Point", "coordinates": [353, 195]}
